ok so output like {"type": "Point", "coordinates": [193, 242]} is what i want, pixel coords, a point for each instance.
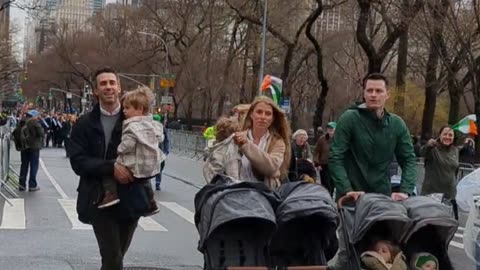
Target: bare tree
{"type": "Point", "coordinates": [321, 100]}
{"type": "Point", "coordinates": [407, 13]}
{"type": "Point", "coordinates": [438, 14]}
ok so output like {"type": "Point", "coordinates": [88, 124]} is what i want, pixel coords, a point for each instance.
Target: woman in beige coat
{"type": "Point", "coordinates": [264, 143]}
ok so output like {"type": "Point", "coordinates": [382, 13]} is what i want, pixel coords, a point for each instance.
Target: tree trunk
{"type": "Point", "coordinates": [322, 98]}
{"type": "Point", "coordinates": [255, 64]}
{"type": "Point", "coordinates": [375, 65]}
{"type": "Point", "coordinates": [455, 95]}
{"type": "Point", "coordinates": [431, 80]}
{"type": "Point", "coordinates": [293, 116]}
{"type": "Point", "coordinates": [189, 113]}
{"type": "Point", "coordinates": [376, 56]}
{"type": "Point", "coordinates": [399, 104]}
{"type": "Point", "coordinates": [243, 94]}
{"type": "Point", "coordinates": [286, 70]}
{"type": "Point", "coordinates": [175, 104]}
{"type": "Point", "coordinates": [226, 71]}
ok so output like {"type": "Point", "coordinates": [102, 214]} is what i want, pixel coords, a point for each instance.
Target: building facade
{"type": "Point", "coordinates": [134, 3]}
{"type": "Point", "coordinates": [98, 5]}
{"type": "Point", "coordinates": [331, 20]}
{"type": "Point", "coordinates": [67, 15]}
{"type": "Point", "coordinates": [4, 20]}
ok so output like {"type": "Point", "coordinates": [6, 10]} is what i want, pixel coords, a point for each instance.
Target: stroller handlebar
{"type": "Point", "coordinates": [344, 199]}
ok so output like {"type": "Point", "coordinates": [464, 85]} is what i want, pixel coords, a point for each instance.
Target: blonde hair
{"type": "Point", "coordinates": [280, 129]}
{"type": "Point", "coordinates": [225, 127]}
{"type": "Point", "coordinates": [140, 97]}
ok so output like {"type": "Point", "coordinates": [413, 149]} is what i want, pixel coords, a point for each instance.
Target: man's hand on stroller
{"type": "Point", "coordinates": [398, 196]}
{"type": "Point", "coordinates": [354, 194]}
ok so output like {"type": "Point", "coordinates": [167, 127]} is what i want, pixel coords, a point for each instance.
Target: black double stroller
{"type": "Point", "coordinates": [418, 224]}
{"type": "Point", "coordinates": [246, 226]}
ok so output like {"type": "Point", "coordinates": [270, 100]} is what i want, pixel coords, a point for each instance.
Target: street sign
{"type": "Point", "coordinates": [168, 100]}
{"type": "Point", "coordinates": [69, 95]}
{"type": "Point", "coordinates": [285, 105]}
{"type": "Point", "coordinates": [167, 83]}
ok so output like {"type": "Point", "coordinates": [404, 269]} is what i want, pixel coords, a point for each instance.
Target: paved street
{"type": "Point", "coordinates": [43, 233]}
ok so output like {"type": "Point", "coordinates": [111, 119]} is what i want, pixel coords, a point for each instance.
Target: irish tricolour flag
{"type": "Point", "coordinates": [273, 84]}
{"type": "Point", "coordinates": [467, 125]}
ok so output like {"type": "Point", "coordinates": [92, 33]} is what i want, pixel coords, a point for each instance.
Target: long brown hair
{"type": "Point", "coordinates": [279, 129]}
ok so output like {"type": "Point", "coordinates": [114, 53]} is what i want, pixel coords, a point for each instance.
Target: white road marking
{"type": "Point", "coordinates": [461, 229]}
{"type": "Point", "coordinates": [149, 224]}
{"type": "Point", "coordinates": [14, 216]}
{"type": "Point", "coordinates": [54, 183]}
{"type": "Point", "coordinates": [179, 210]}
{"type": "Point", "coordinates": [459, 235]}
{"type": "Point", "coordinates": [69, 206]}
{"type": "Point", "coordinates": [456, 244]}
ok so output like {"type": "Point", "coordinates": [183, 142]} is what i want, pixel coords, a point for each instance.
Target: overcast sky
{"type": "Point", "coordinates": [17, 21]}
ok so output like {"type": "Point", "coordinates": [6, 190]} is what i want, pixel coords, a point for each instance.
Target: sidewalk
{"type": "Point", "coordinates": [185, 169]}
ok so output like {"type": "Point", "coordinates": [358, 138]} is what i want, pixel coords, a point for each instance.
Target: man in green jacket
{"type": "Point", "coordinates": [366, 139]}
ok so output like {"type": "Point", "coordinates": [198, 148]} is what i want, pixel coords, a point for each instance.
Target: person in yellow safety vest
{"type": "Point", "coordinates": [209, 133]}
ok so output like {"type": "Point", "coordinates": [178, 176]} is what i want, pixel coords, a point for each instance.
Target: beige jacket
{"type": "Point", "coordinates": [266, 164]}
{"type": "Point", "coordinates": [139, 150]}
{"type": "Point", "coordinates": [223, 158]}
{"type": "Point", "coordinates": [373, 261]}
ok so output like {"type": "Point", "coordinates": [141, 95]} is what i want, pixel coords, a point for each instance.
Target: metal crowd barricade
{"type": "Point", "coordinates": [187, 144]}
{"type": "Point", "coordinates": [463, 170]}
{"type": "Point", "coordinates": [8, 177]}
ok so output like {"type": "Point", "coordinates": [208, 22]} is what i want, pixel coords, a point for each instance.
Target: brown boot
{"type": "Point", "coordinates": [153, 209]}
{"type": "Point", "coordinates": [109, 199]}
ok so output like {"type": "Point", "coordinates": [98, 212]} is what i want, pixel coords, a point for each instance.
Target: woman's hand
{"type": "Point", "coordinates": [432, 143]}
{"type": "Point", "coordinates": [240, 138]}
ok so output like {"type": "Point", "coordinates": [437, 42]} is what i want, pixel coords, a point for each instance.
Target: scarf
{"type": "Point", "coordinates": [246, 172]}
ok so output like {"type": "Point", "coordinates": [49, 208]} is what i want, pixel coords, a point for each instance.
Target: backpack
{"type": "Point", "coordinates": [20, 137]}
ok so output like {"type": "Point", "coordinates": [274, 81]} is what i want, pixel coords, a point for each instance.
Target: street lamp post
{"type": "Point", "coordinates": [130, 78]}
{"type": "Point", "coordinates": [166, 63]}
{"type": "Point", "coordinates": [85, 101]}
{"type": "Point", "coordinates": [164, 44]}
{"type": "Point", "coordinates": [262, 54]}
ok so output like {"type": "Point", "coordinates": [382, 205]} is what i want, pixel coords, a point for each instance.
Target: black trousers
{"type": "Point", "coordinates": [325, 179]}
{"type": "Point", "coordinates": [113, 237]}
{"type": "Point", "coordinates": [455, 208]}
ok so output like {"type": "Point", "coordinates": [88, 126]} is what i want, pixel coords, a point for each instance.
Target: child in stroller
{"type": "Point", "coordinates": [420, 226]}
{"type": "Point", "coordinates": [424, 261]}
{"type": "Point", "coordinates": [384, 255]}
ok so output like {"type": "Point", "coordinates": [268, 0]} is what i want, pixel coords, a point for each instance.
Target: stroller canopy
{"type": "Point", "coordinates": [302, 199]}
{"type": "Point", "coordinates": [217, 205]}
{"type": "Point", "coordinates": [373, 208]}
{"type": "Point", "coordinates": [426, 211]}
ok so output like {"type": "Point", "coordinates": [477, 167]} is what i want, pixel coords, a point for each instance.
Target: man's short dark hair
{"type": "Point", "coordinates": [375, 77]}
{"type": "Point", "coordinates": [100, 71]}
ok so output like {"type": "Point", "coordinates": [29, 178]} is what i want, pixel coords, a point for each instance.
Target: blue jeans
{"type": "Point", "coordinates": [30, 158]}
{"type": "Point", "coordinates": [158, 178]}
